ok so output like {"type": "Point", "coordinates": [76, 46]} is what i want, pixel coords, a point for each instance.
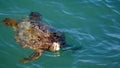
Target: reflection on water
{"type": "Point", "coordinates": [92, 29]}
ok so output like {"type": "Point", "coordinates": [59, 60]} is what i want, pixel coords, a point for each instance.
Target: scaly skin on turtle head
{"type": "Point", "coordinates": [55, 47]}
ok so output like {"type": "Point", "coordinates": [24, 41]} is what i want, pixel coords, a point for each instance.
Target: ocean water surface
{"type": "Point", "coordinates": [92, 28]}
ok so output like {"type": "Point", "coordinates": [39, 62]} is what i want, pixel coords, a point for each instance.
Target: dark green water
{"type": "Point", "coordinates": [93, 25]}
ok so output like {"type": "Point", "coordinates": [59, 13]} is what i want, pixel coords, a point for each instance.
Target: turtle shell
{"type": "Point", "coordinates": [37, 35]}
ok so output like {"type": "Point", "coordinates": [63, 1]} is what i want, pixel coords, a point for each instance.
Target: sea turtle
{"type": "Point", "coordinates": [32, 33]}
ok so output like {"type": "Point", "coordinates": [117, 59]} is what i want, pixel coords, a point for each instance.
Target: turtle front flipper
{"type": "Point", "coordinates": [10, 22]}
{"type": "Point", "coordinates": [33, 56]}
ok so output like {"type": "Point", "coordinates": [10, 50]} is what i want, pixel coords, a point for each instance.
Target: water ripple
{"type": "Point", "coordinates": [4, 14]}
{"type": "Point", "coordinates": [112, 7]}
{"type": "Point", "coordinates": [66, 12]}
{"type": "Point", "coordinates": [113, 35]}
{"type": "Point", "coordinates": [97, 49]}
{"type": "Point", "coordinates": [116, 11]}
{"type": "Point", "coordinates": [86, 61]}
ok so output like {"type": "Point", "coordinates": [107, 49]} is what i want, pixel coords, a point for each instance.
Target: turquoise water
{"type": "Point", "coordinates": [93, 25]}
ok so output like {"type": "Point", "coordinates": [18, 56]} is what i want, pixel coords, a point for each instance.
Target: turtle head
{"type": "Point", "coordinates": [10, 22]}
{"type": "Point", "coordinates": [35, 16]}
{"type": "Point", "coordinates": [55, 47]}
